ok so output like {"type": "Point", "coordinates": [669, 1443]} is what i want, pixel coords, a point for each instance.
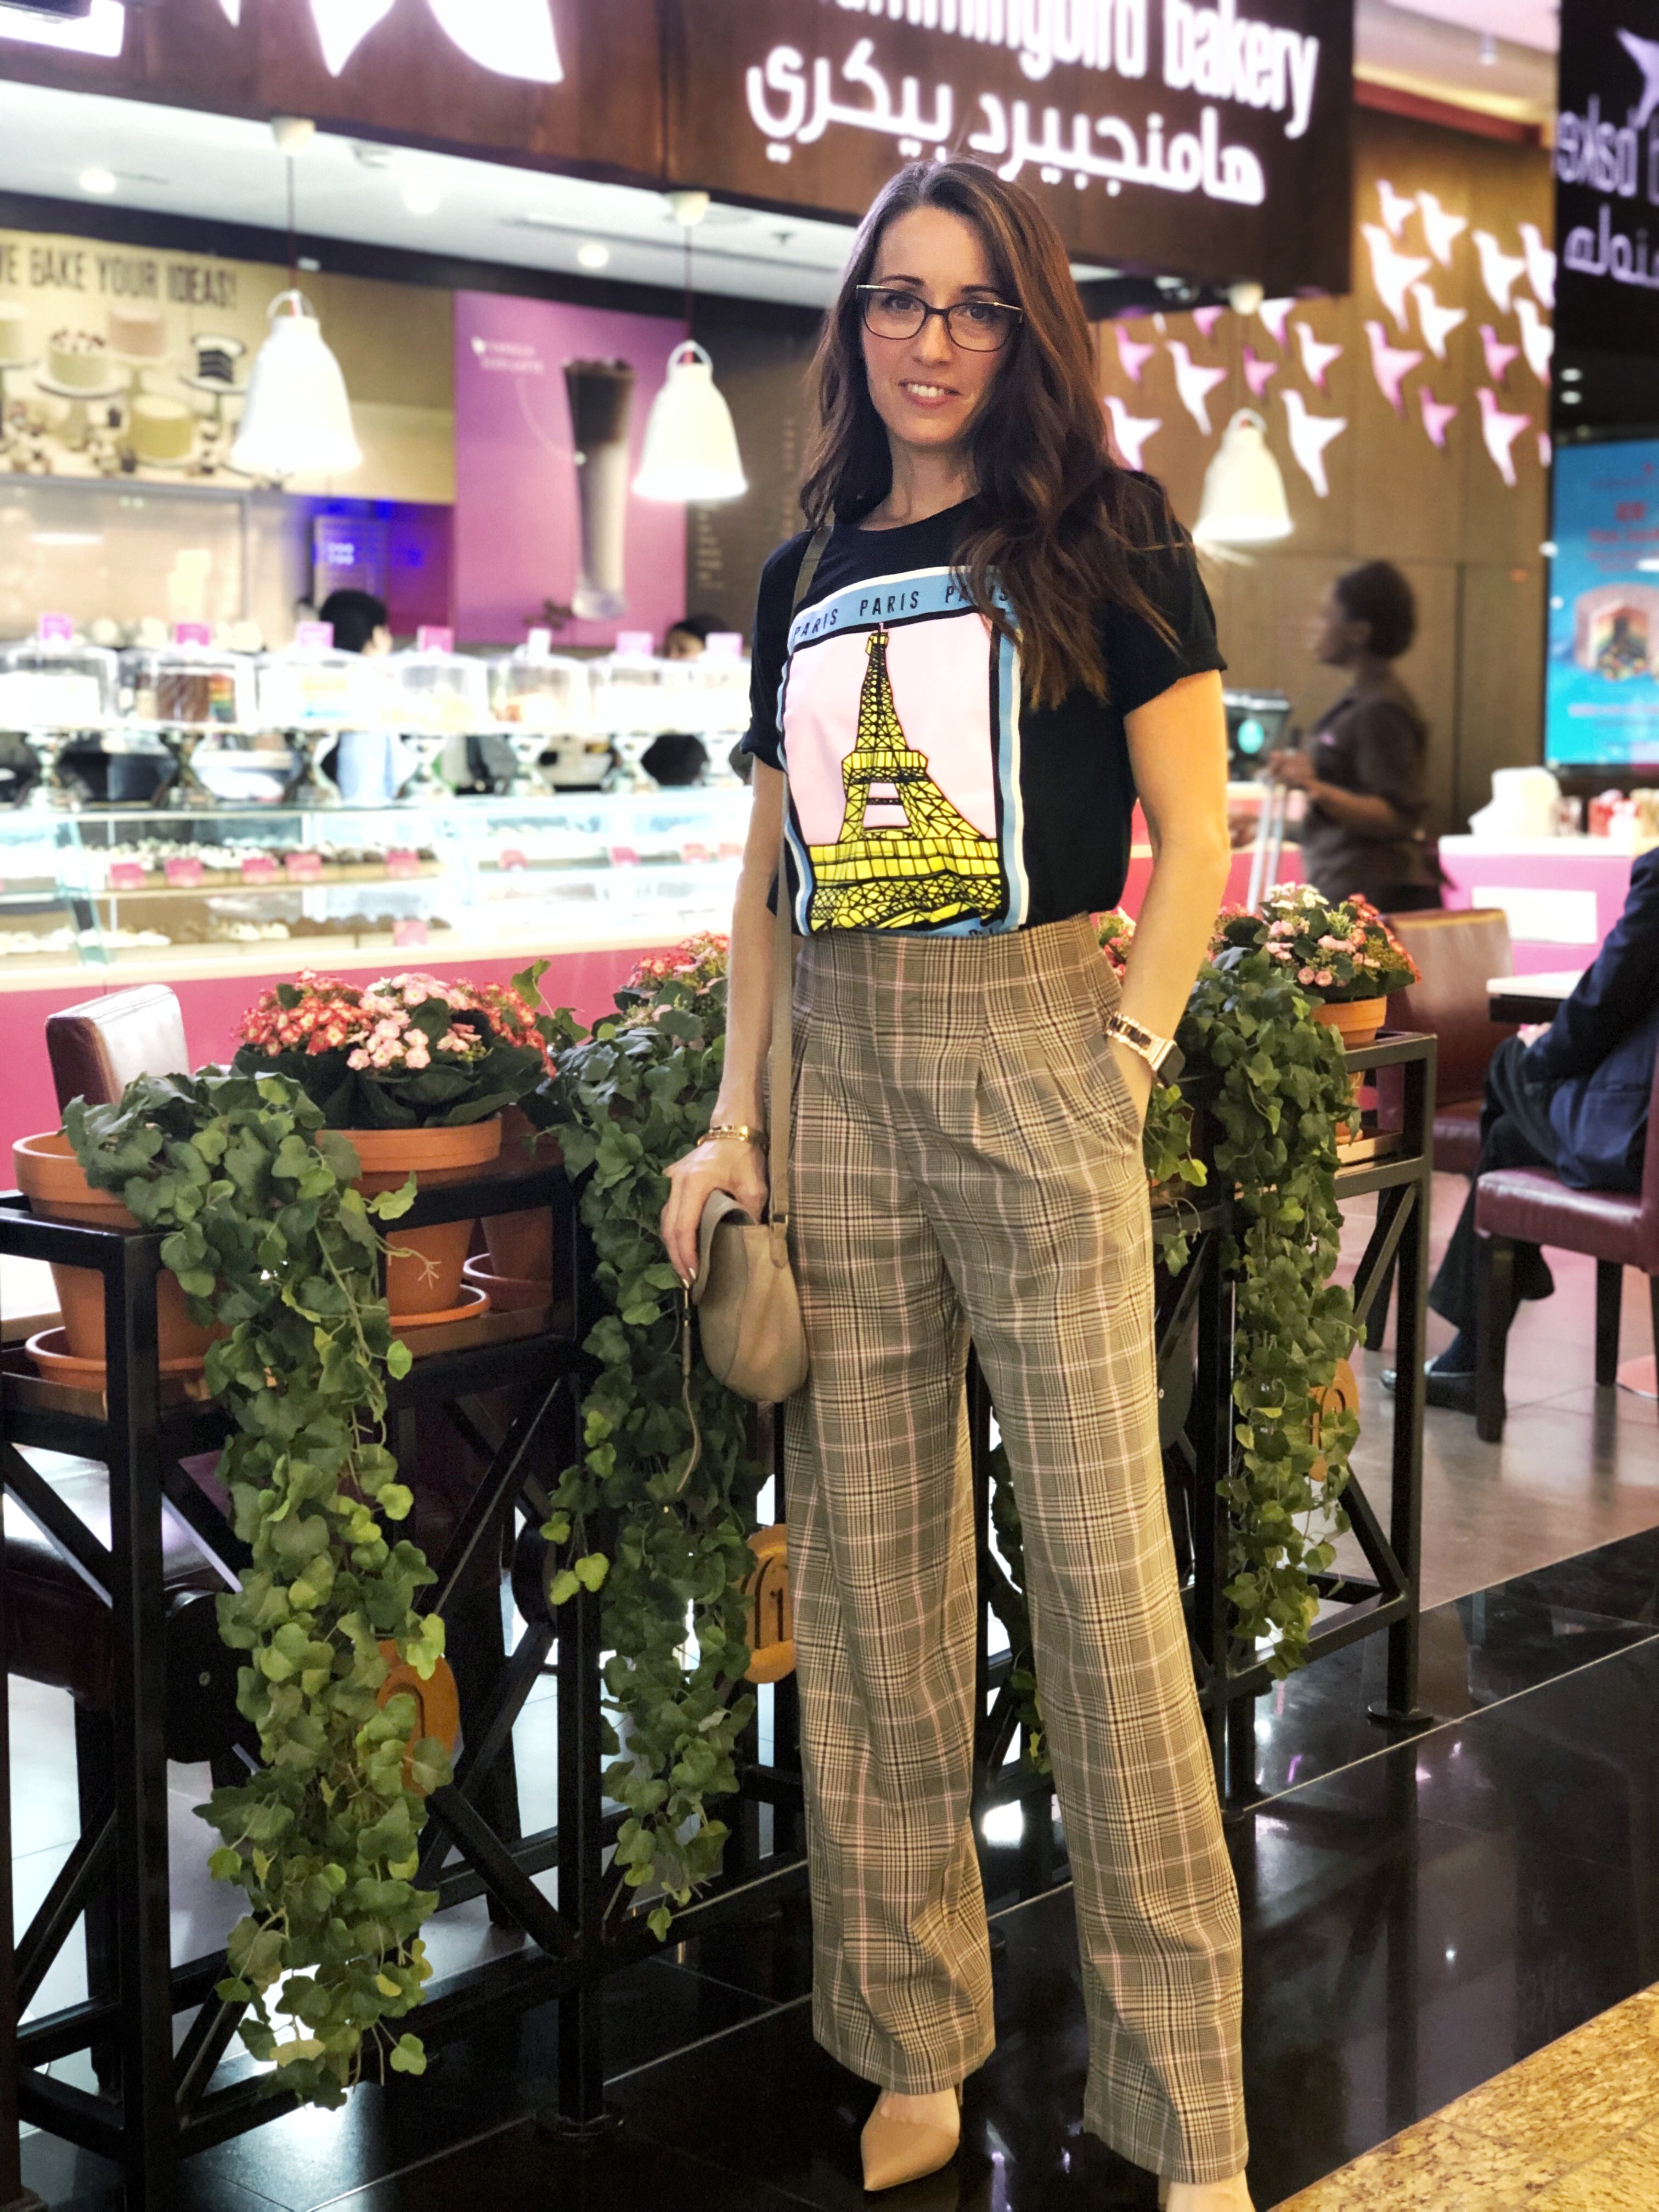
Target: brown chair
{"type": "Point", "coordinates": [1456, 952]}
{"type": "Point", "coordinates": [1617, 1228]}
{"type": "Point", "coordinates": [97, 1048]}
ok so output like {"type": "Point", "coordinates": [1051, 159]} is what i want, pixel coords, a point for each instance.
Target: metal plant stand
{"type": "Point", "coordinates": [510, 1400]}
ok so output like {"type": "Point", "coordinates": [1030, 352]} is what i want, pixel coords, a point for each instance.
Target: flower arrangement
{"type": "Point", "coordinates": [409, 1051]}
{"type": "Point", "coordinates": [1336, 950]}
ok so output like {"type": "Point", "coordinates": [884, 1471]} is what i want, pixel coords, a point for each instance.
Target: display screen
{"type": "Point", "coordinates": [1601, 696]}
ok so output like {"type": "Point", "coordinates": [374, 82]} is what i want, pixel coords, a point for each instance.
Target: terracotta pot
{"type": "Point", "coordinates": [437, 1704]}
{"type": "Point", "coordinates": [1357, 1021]}
{"type": "Point", "coordinates": [49, 1176]}
{"type": "Point", "coordinates": [506, 1294]}
{"type": "Point", "coordinates": [521, 1244]}
{"type": "Point", "coordinates": [423, 1267]}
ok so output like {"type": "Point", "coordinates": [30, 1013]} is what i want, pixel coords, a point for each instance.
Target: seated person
{"type": "Point", "coordinates": [676, 757]}
{"type": "Point", "coordinates": [1574, 1099]}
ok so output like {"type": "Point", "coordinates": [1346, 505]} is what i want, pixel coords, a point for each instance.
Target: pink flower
{"type": "Point", "coordinates": [358, 1059]}
{"type": "Point", "coordinates": [418, 1056]}
{"type": "Point", "coordinates": [1304, 975]}
{"type": "Point", "coordinates": [1323, 978]}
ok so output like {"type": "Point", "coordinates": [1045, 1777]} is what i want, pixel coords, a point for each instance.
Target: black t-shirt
{"type": "Point", "coordinates": [1375, 743]}
{"type": "Point", "coordinates": [927, 792]}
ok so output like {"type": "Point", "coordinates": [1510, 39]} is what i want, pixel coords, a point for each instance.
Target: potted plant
{"type": "Point", "coordinates": [52, 1180]}
{"type": "Point", "coordinates": [1341, 953]}
{"type": "Point", "coordinates": [416, 1073]}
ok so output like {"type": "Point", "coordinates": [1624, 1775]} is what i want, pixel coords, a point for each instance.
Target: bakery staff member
{"type": "Point", "coordinates": [1364, 766]}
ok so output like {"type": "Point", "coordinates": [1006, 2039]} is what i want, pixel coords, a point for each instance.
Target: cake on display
{"type": "Point", "coordinates": [14, 334]}
{"type": "Point", "coordinates": [139, 332]}
{"type": "Point", "coordinates": [162, 429]}
{"type": "Point", "coordinates": [216, 357]}
{"type": "Point", "coordinates": [78, 361]}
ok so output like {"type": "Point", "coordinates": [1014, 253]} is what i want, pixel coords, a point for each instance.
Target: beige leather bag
{"type": "Point", "coordinates": [748, 1310]}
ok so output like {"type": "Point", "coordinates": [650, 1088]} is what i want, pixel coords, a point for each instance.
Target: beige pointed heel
{"type": "Point", "coordinates": [897, 2151]}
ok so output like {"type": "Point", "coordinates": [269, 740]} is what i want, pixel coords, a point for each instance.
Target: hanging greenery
{"type": "Point", "coordinates": [630, 1098]}
{"type": "Point", "coordinates": [269, 1239]}
{"type": "Point", "coordinates": [1279, 1089]}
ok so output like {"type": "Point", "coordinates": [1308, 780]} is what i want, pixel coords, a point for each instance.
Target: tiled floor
{"type": "Point", "coordinates": [1420, 1915]}
{"type": "Point", "coordinates": [1573, 2129]}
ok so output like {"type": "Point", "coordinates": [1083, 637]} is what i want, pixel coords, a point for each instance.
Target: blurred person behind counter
{"type": "Point", "coordinates": [368, 765]}
{"type": "Point", "coordinates": [676, 757]}
{"type": "Point", "coordinates": [1362, 771]}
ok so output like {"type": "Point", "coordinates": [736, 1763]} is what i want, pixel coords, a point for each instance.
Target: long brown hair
{"type": "Point", "coordinates": [1058, 522]}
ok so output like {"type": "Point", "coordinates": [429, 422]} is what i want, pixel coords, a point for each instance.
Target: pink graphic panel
{"type": "Point", "coordinates": [940, 672]}
{"type": "Point", "coordinates": [518, 522]}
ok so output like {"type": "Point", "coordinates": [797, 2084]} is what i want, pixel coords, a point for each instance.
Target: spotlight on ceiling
{"type": "Point", "coordinates": [591, 255]}
{"type": "Point", "coordinates": [422, 199]}
{"type": "Point", "coordinates": [98, 180]}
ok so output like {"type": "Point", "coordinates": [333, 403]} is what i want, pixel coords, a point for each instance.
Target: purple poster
{"type": "Point", "coordinates": [550, 408]}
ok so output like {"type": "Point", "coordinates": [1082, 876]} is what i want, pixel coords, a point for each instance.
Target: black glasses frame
{"type": "Point", "coordinates": [866, 300]}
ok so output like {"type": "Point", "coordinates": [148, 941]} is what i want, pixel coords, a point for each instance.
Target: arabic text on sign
{"type": "Point", "coordinates": [1104, 147]}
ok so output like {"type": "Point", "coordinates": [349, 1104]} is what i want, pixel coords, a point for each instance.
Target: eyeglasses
{"type": "Point", "coordinates": [976, 326]}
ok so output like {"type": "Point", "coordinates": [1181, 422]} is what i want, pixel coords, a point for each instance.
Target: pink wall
{"type": "Point", "coordinates": [516, 527]}
{"type": "Point", "coordinates": [213, 1006]}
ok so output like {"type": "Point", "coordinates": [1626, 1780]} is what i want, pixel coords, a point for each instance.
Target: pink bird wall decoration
{"type": "Point", "coordinates": [1391, 365]}
{"type": "Point", "coordinates": [1392, 273]}
{"type": "Point", "coordinates": [1546, 449]}
{"type": "Point", "coordinates": [1437, 416]}
{"type": "Point", "coordinates": [1133, 354]}
{"type": "Point", "coordinates": [1500, 430]}
{"type": "Point", "coordinates": [1130, 433]}
{"type": "Point", "coordinates": [1194, 383]}
{"type": "Point", "coordinates": [1316, 357]}
{"type": "Point", "coordinates": [1273, 313]}
{"type": "Point", "coordinates": [1258, 373]}
{"type": "Point", "coordinates": [1440, 227]}
{"type": "Point", "coordinates": [1207, 319]}
{"type": "Point", "coordinates": [1499, 354]}
{"type": "Point", "coordinates": [1396, 207]}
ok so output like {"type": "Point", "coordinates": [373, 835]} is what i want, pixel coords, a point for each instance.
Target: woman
{"type": "Point", "coordinates": [1363, 771]}
{"type": "Point", "coordinates": [1002, 638]}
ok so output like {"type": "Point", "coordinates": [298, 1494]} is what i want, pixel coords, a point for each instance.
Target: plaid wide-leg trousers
{"type": "Point", "coordinates": [968, 1163]}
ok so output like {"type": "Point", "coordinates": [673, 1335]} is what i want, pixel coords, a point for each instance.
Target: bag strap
{"type": "Point", "coordinates": [783, 971]}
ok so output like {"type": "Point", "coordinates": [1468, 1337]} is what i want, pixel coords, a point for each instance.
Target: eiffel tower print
{"type": "Point", "coordinates": [928, 867]}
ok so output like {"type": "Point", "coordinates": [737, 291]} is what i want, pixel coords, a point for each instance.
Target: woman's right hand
{"type": "Point", "coordinates": [725, 1163]}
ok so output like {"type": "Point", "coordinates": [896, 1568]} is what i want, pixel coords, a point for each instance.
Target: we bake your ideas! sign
{"type": "Point", "coordinates": [1209, 141]}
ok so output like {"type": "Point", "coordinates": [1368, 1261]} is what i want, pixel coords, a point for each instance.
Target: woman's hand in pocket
{"type": "Point", "coordinates": [725, 1163]}
{"type": "Point", "coordinates": [1137, 1076]}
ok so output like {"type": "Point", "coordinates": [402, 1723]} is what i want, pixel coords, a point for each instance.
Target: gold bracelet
{"type": "Point", "coordinates": [740, 1130]}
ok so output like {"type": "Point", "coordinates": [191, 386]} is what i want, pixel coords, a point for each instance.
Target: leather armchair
{"type": "Point", "coordinates": [1617, 1230]}
{"type": "Point", "coordinates": [1456, 952]}
{"type": "Point", "coordinates": [97, 1048]}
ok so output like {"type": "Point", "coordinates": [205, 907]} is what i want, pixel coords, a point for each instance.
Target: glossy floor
{"type": "Point", "coordinates": [1420, 1914]}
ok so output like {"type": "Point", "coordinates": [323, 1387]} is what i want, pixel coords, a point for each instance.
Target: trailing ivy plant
{"type": "Point", "coordinates": [630, 1097]}
{"type": "Point", "coordinates": [268, 1239]}
{"type": "Point", "coordinates": [1284, 1089]}
{"type": "Point", "coordinates": [1281, 1089]}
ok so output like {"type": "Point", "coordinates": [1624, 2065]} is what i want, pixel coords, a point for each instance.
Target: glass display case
{"type": "Point", "coordinates": [212, 890]}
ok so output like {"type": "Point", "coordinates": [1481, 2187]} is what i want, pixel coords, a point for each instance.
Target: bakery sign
{"type": "Point", "coordinates": [1162, 134]}
{"type": "Point", "coordinates": [1607, 177]}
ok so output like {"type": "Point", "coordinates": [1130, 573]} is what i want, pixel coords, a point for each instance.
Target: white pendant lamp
{"type": "Point", "coordinates": [1244, 502]}
{"type": "Point", "coordinates": [296, 419]}
{"type": "Point", "coordinates": [690, 441]}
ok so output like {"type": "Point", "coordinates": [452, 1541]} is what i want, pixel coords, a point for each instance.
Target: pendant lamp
{"type": "Point", "coordinates": [296, 419]}
{"type": "Point", "coordinates": [690, 441]}
{"type": "Point", "coordinates": [1244, 502]}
